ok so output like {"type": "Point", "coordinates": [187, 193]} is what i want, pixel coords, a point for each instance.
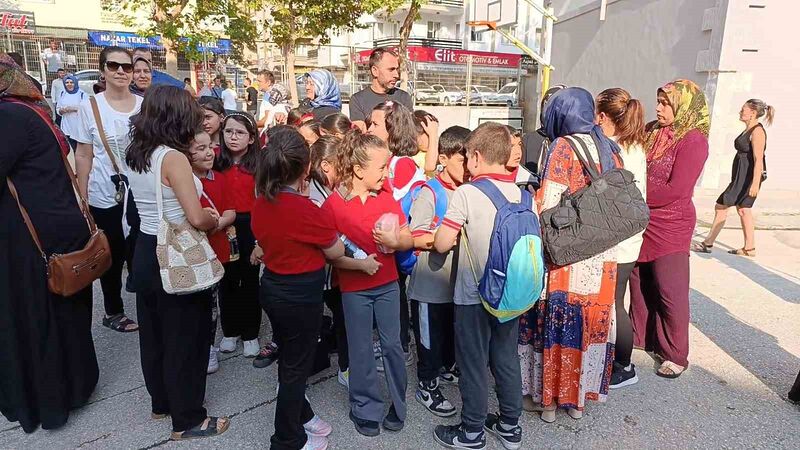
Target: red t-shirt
{"type": "Point", "coordinates": [215, 188]}
{"type": "Point", "coordinates": [291, 230]}
{"type": "Point", "coordinates": [356, 220]}
{"type": "Point", "coordinates": [241, 188]}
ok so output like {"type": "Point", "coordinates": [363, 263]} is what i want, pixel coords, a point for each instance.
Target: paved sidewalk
{"type": "Point", "coordinates": [745, 353]}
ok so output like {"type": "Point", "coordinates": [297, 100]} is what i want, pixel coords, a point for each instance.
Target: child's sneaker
{"type": "Point", "coordinates": [213, 361]}
{"type": "Point", "coordinates": [392, 422]}
{"type": "Point", "coordinates": [267, 356]}
{"type": "Point", "coordinates": [510, 435]}
{"type": "Point", "coordinates": [623, 376]}
{"type": "Point", "coordinates": [317, 427]}
{"type": "Point", "coordinates": [450, 376]}
{"type": "Point", "coordinates": [344, 378]}
{"type": "Point", "coordinates": [315, 443]}
{"type": "Point", "coordinates": [431, 397]}
{"type": "Point", "coordinates": [454, 436]}
{"type": "Point", "coordinates": [228, 344]}
{"type": "Point", "coordinates": [368, 428]}
{"type": "Point", "coordinates": [251, 348]}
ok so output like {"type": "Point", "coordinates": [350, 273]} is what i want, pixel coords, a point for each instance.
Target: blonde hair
{"type": "Point", "coordinates": [762, 109]}
{"type": "Point", "coordinates": [355, 151]}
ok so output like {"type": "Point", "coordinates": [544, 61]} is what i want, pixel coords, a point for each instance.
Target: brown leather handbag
{"type": "Point", "coordinates": [68, 274]}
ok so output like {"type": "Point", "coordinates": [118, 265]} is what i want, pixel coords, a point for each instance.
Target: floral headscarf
{"type": "Point", "coordinates": [279, 94]}
{"type": "Point", "coordinates": [691, 113]}
{"type": "Point", "coordinates": [14, 82]}
{"type": "Point", "coordinates": [326, 89]}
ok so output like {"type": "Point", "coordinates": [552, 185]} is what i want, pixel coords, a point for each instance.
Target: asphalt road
{"type": "Point", "coordinates": [745, 353]}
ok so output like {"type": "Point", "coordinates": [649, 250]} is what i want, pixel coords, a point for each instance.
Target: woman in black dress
{"type": "Point", "coordinates": [47, 359]}
{"type": "Point", "coordinates": [749, 171]}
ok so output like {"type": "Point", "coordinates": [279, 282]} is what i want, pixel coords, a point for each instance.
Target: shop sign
{"type": "Point", "coordinates": [132, 40]}
{"type": "Point", "coordinates": [17, 22]}
{"type": "Point", "coordinates": [447, 56]}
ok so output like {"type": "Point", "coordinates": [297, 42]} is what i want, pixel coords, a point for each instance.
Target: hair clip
{"type": "Point", "coordinates": [246, 116]}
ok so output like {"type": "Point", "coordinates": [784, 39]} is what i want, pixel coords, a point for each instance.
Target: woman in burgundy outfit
{"type": "Point", "coordinates": [677, 148]}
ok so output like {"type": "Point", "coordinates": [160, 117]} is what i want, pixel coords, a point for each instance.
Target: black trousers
{"type": "Point", "coordinates": [624, 344]}
{"type": "Point", "coordinates": [240, 313]}
{"type": "Point", "coordinates": [174, 337]}
{"type": "Point", "coordinates": [110, 221]}
{"type": "Point", "coordinates": [435, 338]}
{"type": "Point", "coordinates": [298, 326]}
{"type": "Point", "coordinates": [333, 298]}
{"type": "Point", "coordinates": [405, 323]}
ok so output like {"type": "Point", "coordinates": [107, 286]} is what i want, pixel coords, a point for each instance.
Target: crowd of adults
{"type": "Point", "coordinates": [154, 158]}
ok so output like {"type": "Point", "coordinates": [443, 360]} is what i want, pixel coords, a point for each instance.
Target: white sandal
{"type": "Point", "coordinates": [674, 370]}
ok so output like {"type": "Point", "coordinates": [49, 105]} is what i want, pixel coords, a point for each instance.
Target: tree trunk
{"type": "Point", "coordinates": [171, 56]}
{"type": "Point", "coordinates": [288, 54]}
{"type": "Point", "coordinates": [405, 32]}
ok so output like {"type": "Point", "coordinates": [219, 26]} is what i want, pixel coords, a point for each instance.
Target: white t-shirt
{"type": "Point", "coordinates": [54, 59]}
{"type": "Point", "coordinates": [264, 109]}
{"type": "Point", "coordinates": [635, 160]}
{"type": "Point", "coordinates": [229, 99]}
{"type": "Point", "coordinates": [71, 121]}
{"type": "Point", "coordinates": [56, 88]}
{"type": "Point", "coordinates": [116, 125]}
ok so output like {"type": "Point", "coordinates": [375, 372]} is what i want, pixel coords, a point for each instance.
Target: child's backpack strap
{"type": "Point", "coordinates": [439, 201]}
{"type": "Point", "coordinates": [496, 196]}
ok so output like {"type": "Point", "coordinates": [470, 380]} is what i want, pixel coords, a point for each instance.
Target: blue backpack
{"type": "Point", "coordinates": [514, 275]}
{"type": "Point", "coordinates": [407, 259]}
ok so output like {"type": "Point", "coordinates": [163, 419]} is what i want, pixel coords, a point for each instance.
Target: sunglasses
{"type": "Point", "coordinates": [114, 66]}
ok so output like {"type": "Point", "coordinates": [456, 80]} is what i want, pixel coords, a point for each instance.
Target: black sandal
{"type": "Point", "coordinates": [120, 323]}
{"type": "Point", "coordinates": [212, 426]}
{"type": "Point", "coordinates": [701, 247]}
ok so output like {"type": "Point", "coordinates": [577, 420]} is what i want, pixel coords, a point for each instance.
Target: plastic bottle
{"type": "Point", "coordinates": [351, 249]}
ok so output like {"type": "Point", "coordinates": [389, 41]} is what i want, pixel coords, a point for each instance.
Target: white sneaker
{"type": "Point", "coordinates": [228, 344]}
{"type": "Point", "coordinates": [344, 378]}
{"type": "Point", "coordinates": [213, 361]}
{"type": "Point", "coordinates": [251, 348]}
{"type": "Point", "coordinates": [315, 443]}
{"type": "Point", "coordinates": [318, 427]}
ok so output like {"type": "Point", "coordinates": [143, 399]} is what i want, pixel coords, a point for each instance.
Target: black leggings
{"type": "Point", "coordinates": [624, 344]}
{"type": "Point", "coordinates": [240, 312]}
{"type": "Point", "coordinates": [333, 298]}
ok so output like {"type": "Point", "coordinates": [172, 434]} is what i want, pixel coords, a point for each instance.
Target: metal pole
{"type": "Point", "coordinates": [469, 80]}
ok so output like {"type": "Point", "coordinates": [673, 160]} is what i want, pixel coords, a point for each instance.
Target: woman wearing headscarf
{"type": "Point", "coordinates": [677, 149]}
{"type": "Point", "coordinates": [142, 76]}
{"type": "Point", "coordinates": [564, 348]}
{"type": "Point", "coordinates": [68, 102]}
{"type": "Point", "coordinates": [47, 360]}
{"type": "Point", "coordinates": [322, 90]}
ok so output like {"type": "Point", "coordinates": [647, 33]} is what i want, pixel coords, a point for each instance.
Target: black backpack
{"type": "Point", "coordinates": [595, 218]}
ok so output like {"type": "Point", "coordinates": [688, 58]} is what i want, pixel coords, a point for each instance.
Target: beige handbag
{"type": "Point", "coordinates": [187, 262]}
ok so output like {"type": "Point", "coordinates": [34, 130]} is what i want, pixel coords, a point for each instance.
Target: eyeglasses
{"type": "Point", "coordinates": [239, 134]}
{"type": "Point", "coordinates": [114, 66]}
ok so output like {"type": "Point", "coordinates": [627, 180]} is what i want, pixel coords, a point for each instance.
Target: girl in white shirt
{"type": "Point", "coordinates": [102, 173]}
{"type": "Point", "coordinates": [622, 119]}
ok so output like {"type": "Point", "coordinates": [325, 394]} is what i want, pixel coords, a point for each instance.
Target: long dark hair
{"type": "Point", "coordinates": [401, 128]}
{"type": "Point", "coordinates": [285, 160]}
{"type": "Point", "coordinates": [336, 123]}
{"type": "Point", "coordinates": [325, 149]}
{"type": "Point", "coordinates": [170, 117]}
{"type": "Point", "coordinates": [249, 162]}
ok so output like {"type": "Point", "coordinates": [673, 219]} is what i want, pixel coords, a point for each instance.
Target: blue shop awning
{"type": "Point", "coordinates": [126, 39]}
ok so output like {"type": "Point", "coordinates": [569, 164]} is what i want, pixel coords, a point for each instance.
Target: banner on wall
{"type": "Point", "coordinates": [132, 40]}
{"type": "Point", "coordinates": [457, 57]}
{"type": "Point", "coordinates": [17, 22]}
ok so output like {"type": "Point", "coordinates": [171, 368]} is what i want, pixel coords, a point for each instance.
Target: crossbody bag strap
{"type": "Point", "coordinates": [582, 153]}
{"type": "Point", "coordinates": [26, 218]}
{"type": "Point", "coordinates": [101, 131]}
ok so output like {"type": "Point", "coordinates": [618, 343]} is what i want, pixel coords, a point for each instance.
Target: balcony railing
{"type": "Point", "coordinates": [452, 44]}
{"type": "Point", "coordinates": [454, 3]}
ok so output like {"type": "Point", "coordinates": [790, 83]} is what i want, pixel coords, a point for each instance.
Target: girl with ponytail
{"type": "Point", "coordinates": [296, 237]}
{"type": "Point", "coordinates": [622, 119]}
{"type": "Point", "coordinates": [356, 205]}
{"type": "Point", "coordinates": [749, 171]}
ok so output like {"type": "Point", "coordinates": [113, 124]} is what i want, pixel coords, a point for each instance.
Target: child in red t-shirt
{"type": "Point", "coordinates": [296, 237]}
{"type": "Point", "coordinates": [214, 196]}
{"type": "Point", "coordinates": [356, 205]}
{"type": "Point", "coordinates": [240, 313]}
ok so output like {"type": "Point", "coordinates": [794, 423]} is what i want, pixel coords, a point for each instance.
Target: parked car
{"type": "Point", "coordinates": [507, 95]}
{"type": "Point", "coordinates": [87, 79]}
{"type": "Point", "coordinates": [448, 95]}
{"type": "Point", "coordinates": [422, 92]}
{"type": "Point", "coordinates": [479, 95]}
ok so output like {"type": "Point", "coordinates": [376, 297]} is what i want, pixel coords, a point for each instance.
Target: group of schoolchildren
{"type": "Point", "coordinates": [363, 223]}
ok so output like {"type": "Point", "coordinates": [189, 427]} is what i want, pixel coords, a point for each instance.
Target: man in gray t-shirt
{"type": "Point", "coordinates": [383, 67]}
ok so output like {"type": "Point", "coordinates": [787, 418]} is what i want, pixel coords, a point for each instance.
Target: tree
{"type": "Point", "coordinates": [405, 31]}
{"type": "Point", "coordinates": [179, 27]}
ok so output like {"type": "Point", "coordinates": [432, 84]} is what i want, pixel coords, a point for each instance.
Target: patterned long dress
{"type": "Point", "coordinates": [566, 347]}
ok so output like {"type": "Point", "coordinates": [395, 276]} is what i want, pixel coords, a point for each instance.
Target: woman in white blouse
{"type": "Point", "coordinates": [622, 119]}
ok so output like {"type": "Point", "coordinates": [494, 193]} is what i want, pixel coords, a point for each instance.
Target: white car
{"type": "Point", "coordinates": [87, 79]}
{"type": "Point", "coordinates": [448, 95]}
{"type": "Point", "coordinates": [507, 95]}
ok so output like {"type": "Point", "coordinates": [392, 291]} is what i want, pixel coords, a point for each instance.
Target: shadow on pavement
{"type": "Point", "coordinates": [755, 350]}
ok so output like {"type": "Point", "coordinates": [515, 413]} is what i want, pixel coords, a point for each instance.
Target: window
{"type": "Point", "coordinates": [512, 30]}
{"type": "Point", "coordinates": [458, 31]}
{"type": "Point", "coordinates": [476, 36]}
{"type": "Point", "coordinates": [433, 29]}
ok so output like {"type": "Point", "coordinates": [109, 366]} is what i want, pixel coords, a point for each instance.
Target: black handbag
{"type": "Point", "coordinates": [596, 217]}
